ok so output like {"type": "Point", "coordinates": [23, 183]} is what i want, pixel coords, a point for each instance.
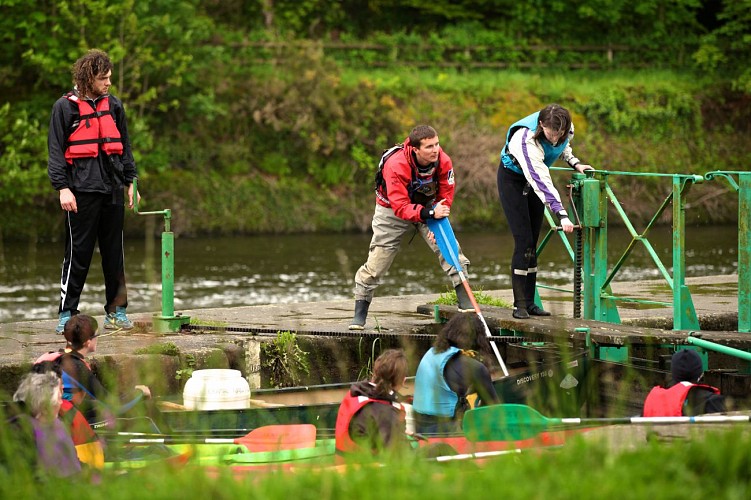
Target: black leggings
{"type": "Point", "coordinates": [524, 212]}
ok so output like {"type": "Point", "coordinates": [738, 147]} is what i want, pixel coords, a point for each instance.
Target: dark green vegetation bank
{"type": "Point", "coordinates": [255, 117]}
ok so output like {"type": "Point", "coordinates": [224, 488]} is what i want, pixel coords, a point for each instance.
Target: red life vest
{"type": "Point", "coordinates": [95, 130]}
{"type": "Point", "coordinates": [89, 447]}
{"type": "Point", "coordinates": [80, 430]}
{"type": "Point", "coordinates": [54, 357]}
{"type": "Point", "coordinates": [663, 402]}
{"type": "Point", "coordinates": [349, 407]}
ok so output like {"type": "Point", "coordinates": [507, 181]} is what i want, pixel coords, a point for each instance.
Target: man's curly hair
{"type": "Point", "coordinates": [85, 70]}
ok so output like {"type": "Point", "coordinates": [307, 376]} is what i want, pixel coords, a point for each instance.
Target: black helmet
{"type": "Point", "coordinates": [686, 366]}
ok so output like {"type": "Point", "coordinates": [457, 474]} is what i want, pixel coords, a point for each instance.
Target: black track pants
{"type": "Point", "coordinates": [98, 220]}
{"type": "Point", "coordinates": [524, 212]}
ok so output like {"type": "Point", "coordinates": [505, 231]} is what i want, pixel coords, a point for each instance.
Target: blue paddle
{"type": "Point", "coordinates": [449, 247]}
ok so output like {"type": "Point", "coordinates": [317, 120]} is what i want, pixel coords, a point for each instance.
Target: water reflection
{"type": "Point", "coordinates": [235, 271]}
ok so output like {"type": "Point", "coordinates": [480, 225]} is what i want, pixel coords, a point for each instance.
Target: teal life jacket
{"type": "Point", "coordinates": [433, 396]}
{"type": "Point", "coordinates": [531, 122]}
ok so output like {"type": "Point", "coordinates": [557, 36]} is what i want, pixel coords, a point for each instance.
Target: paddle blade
{"type": "Point", "coordinates": [446, 241]}
{"type": "Point", "coordinates": [504, 422]}
{"type": "Point", "coordinates": [279, 437]}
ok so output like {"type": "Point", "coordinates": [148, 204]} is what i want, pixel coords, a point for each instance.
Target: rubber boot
{"type": "Point", "coordinates": [529, 293]}
{"type": "Point", "coordinates": [518, 286]}
{"type": "Point", "coordinates": [463, 302]}
{"type": "Point", "coordinates": [361, 314]}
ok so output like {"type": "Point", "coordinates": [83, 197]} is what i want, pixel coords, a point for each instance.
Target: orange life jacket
{"type": "Point", "coordinates": [349, 407]}
{"type": "Point", "coordinates": [95, 131]}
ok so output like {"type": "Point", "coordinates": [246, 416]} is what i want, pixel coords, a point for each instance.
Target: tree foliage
{"type": "Point", "coordinates": [201, 93]}
{"type": "Point", "coordinates": [727, 50]}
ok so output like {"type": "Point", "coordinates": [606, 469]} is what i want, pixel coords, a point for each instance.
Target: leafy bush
{"type": "Point", "coordinates": [23, 157]}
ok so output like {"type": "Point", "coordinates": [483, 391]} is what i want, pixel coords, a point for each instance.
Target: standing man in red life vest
{"type": "Point", "coordinates": [90, 163]}
{"type": "Point", "coordinates": [415, 182]}
{"type": "Point", "coordinates": [685, 396]}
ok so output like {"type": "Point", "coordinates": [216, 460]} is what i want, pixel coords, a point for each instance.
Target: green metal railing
{"type": "Point", "coordinates": [743, 188]}
{"type": "Point", "coordinates": [591, 194]}
{"type": "Point", "coordinates": [713, 346]}
{"type": "Point", "coordinates": [168, 321]}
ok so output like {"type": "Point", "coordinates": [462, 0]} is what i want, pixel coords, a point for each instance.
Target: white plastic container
{"type": "Point", "coordinates": [216, 390]}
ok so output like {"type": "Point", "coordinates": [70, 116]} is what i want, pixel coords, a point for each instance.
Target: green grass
{"type": "Point", "coordinates": [165, 348]}
{"type": "Point", "coordinates": [716, 466]}
{"type": "Point", "coordinates": [489, 82]}
{"type": "Point", "coordinates": [449, 299]}
{"type": "Point", "coordinates": [207, 322]}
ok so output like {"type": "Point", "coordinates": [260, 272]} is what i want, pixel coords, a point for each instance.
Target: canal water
{"type": "Point", "coordinates": [253, 270]}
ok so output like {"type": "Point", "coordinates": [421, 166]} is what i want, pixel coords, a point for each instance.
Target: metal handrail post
{"type": "Point", "coordinates": [743, 188]}
{"type": "Point", "coordinates": [744, 253]}
{"type": "Point", "coordinates": [168, 321]}
{"type": "Point", "coordinates": [684, 313]}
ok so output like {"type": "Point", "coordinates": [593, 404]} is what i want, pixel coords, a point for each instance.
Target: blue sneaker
{"type": "Point", "coordinates": [64, 317]}
{"type": "Point", "coordinates": [117, 320]}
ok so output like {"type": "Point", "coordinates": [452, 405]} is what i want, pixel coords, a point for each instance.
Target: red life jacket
{"type": "Point", "coordinates": [54, 357]}
{"type": "Point", "coordinates": [663, 402]}
{"type": "Point", "coordinates": [95, 130]}
{"type": "Point", "coordinates": [80, 430]}
{"type": "Point", "coordinates": [349, 407]}
{"type": "Point", "coordinates": [89, 447]}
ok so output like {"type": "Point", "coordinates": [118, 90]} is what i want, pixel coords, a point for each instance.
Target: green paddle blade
{"type": "Point", "coordinates": [504, 422]}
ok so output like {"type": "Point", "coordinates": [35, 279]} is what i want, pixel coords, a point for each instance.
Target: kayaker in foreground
{"type": "Point", "coordinates": [39, 397]}
{"type": "Point", "coordinates": [453, 368]}
{"type": "Point", "coordinates": [370, 418]}
{"type": "Point", "coordinates": [89, 447]}
{"type": "Point", "coordinates": [80, 385]}
{"type": "Point", "coordinates": [685, 396]}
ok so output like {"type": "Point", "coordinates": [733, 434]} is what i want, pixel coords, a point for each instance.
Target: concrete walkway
{"type": "Point", "coordinates": [714, 297]}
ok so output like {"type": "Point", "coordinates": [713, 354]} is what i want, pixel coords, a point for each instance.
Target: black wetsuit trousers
{"type": "Point", "coordinates": [524, 212]}
{"type": "Point", "coordinates": [100, 220]}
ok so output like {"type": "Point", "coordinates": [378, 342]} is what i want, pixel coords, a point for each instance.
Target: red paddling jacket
{"type": "Point", "coordinates": [401, 173]}
{"type": "Point", "coordinates": [669, 402]}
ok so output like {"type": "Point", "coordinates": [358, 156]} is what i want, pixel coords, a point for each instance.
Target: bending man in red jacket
{"type": "Point", "coordinates": [415, 182]}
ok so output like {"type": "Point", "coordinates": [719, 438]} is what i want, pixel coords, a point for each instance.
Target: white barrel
{"type": "Point", "coordinates": [216, 390]}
